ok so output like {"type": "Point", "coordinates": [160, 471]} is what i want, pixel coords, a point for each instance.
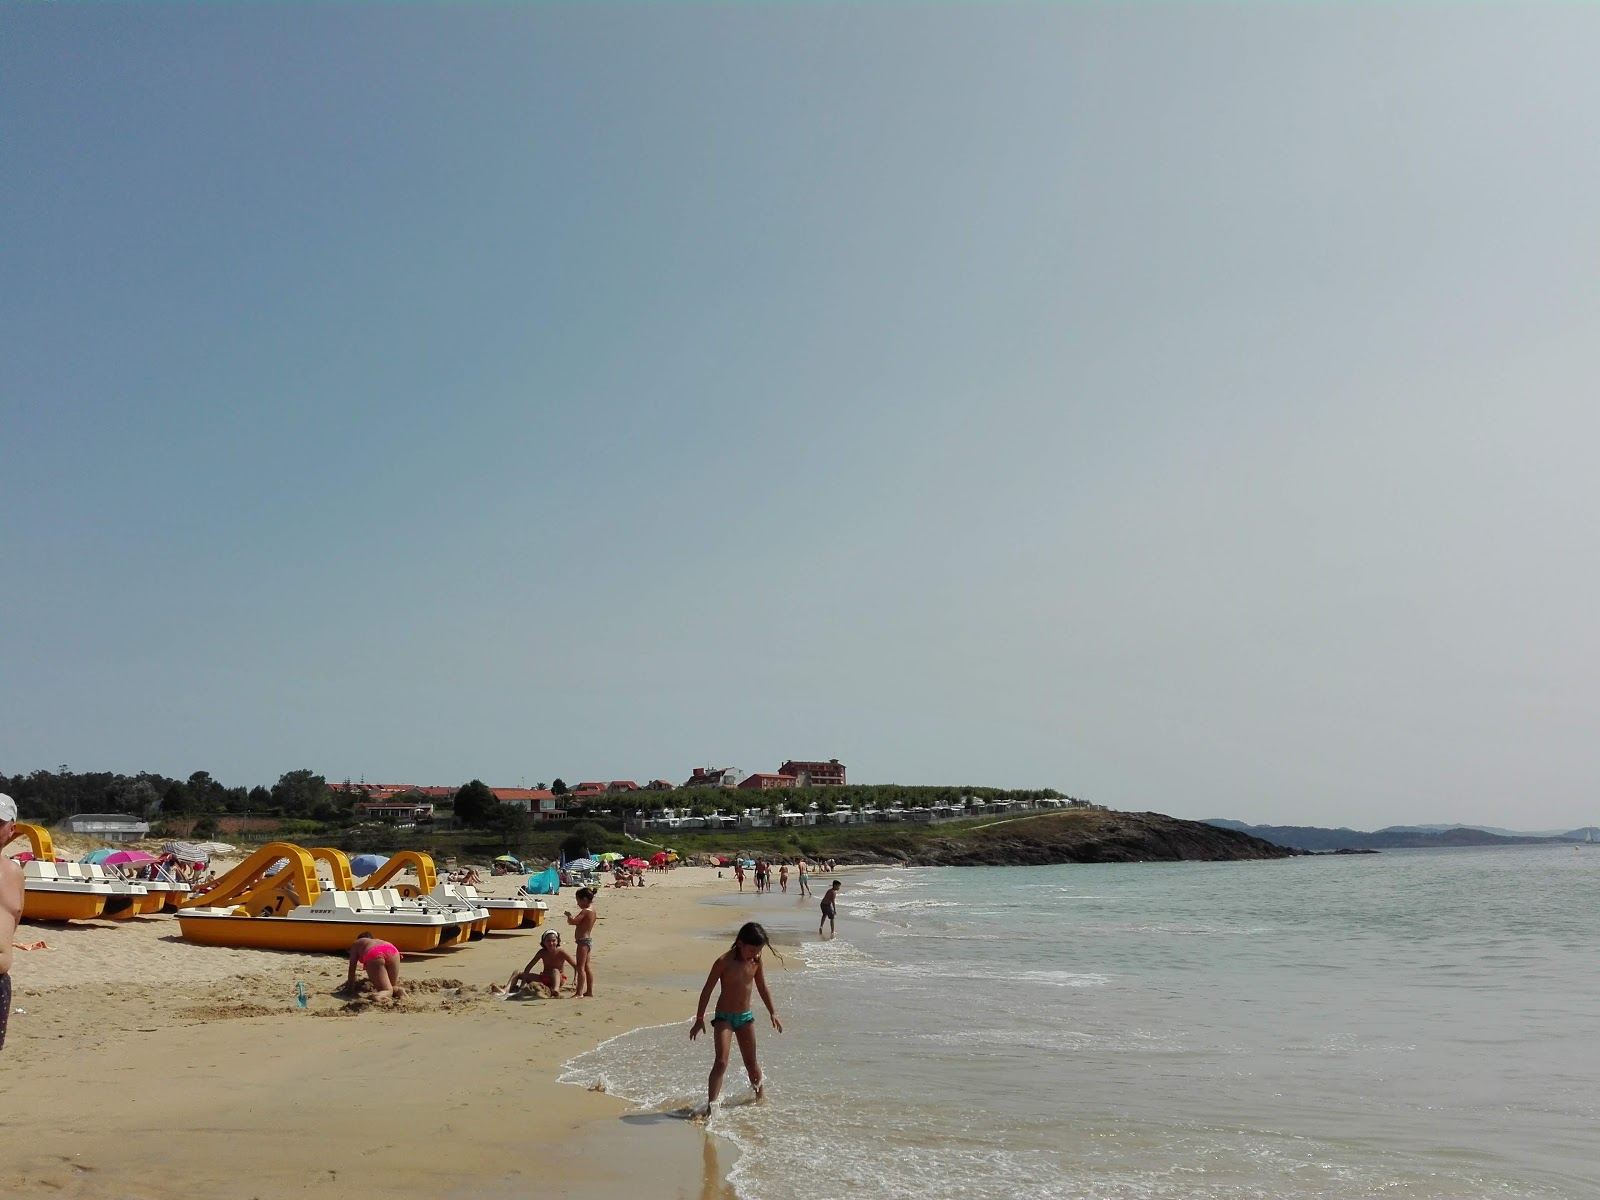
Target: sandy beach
{"type": "Point", "coordinates": [140, 1066]}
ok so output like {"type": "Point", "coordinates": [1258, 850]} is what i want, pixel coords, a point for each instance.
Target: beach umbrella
{"type": "Point", "coordinates": [127, 858]}
{"type": "Point", "coordinates": [659, 857]}
{"type": "Point", "coordinates": [507, 858]}
{"type": "Point", "coordinates": [581, 864]}
{"type": "Point", "coordinates": [98, 856]}
{"type": "Point", "coordinates": [366, 864]}
{"type": "Point", "coordinates": [634, 862]}
{"type": "Point", "coordinates": [25, 856]}
{"type": "Point", "coordinates": [608, 856]}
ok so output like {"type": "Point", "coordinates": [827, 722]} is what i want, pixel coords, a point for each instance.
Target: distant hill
{"type": "Point", "coordinates": [1312, 837]}
{"type": "Point", "coordinates": [1494, 829]}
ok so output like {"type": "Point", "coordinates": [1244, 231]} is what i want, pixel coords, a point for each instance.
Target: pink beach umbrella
{"type": "Point", "coordinates": [128, 858]}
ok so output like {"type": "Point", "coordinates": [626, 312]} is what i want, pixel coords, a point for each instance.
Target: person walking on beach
{"type": "Point", "coordinates": [555, 960]}
{"type": "Point", "coordinates": [805, 885]}
{"type": "Point", "coordinates": [738, 873]}
{"type": "Point", "coordinates": [737, 972]}
{"type": "Point", "coordinates": [382, 961]}
{"type": "Point", "coordinates": [829, 897]}
{"type": "Point", "coordinates": [10, 907]}
{"type": "Point", "coordinates": [783, 878]}
{"type": "Point", "coordinates": [583, 927]}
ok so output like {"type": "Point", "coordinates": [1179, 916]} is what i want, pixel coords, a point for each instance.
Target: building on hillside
{"type": "Point", "coordinates": [714, 777]}
{"type": "Point", "coordinates": [762, 783]}
{"type": "Point", "coordinates": [657, 785]}
{"type": "Point", "coordinates": [587, 791]}
{"type": "Point", "coordinates": [401, 812]}
{"type": "Point", "coordinates": [621, 785]}
{"type": "Point", "coordinates": [536, 802]}
{"type": "Point", "coordinates": [113, 827]}
{"type": "Point", "coordinates": [815, 774]}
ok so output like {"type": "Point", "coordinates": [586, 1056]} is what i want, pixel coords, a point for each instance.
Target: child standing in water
{"type": "Point", "coordinates": [583, 926]}
{"type": "Point", "coordinates": [737, 971]}
{"type": "Point", "coordinates": [829, 899]}
{"type": "Point", "coordinates": [382, 961]}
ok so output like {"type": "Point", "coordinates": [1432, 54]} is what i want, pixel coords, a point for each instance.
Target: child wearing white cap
{"type": "Point", "coordinates": [10, 907]}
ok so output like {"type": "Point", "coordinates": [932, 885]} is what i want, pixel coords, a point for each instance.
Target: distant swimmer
{"type": "Point", "coordinates": [382, 961]}
{"type": "Point", "coordinates": [736, 971]}
{"type": "Point", "coordinates": [829, 898]}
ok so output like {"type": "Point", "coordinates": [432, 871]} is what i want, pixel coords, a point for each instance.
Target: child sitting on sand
{"type": "Point", "coordinates": [737, 971]}
{"type": "Point", "coordinates": [554, 959]}
{"type": "Point", "coordinates": [382, 961]}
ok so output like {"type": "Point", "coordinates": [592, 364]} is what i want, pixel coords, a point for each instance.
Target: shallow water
{"type": "Point", "coordinates": [1418, 1025]}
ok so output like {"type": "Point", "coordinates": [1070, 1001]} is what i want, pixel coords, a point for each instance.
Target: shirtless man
{"type": "Point", "coordinates": [583, 934]}
{"type": "Point", "coordinates": [10, 907]}
{"type": "Point", "coordinates": [737, 971]}
{"type": "Point", "coordinates": [554, 959]}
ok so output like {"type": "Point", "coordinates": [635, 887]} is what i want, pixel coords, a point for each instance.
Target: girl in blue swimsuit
{"type": "Point", "coordinates": [739, 972]}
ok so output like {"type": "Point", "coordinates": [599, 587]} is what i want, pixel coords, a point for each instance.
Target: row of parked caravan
{"type": "Point", "coordinates": [276, 900]}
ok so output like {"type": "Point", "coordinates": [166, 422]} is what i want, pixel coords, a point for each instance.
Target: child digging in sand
{"type": "Point", "coordinates": [737, 971]}
{"type": "Point", "coordinates": [382, 961]}
{"type": "Point", "coordinates": [554, 959]}
{"type": "Point", "coordinates": [583, 925]}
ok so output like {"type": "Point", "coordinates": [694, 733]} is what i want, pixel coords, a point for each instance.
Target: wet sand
{"type": "Point", "coordinates": [145, 1068]}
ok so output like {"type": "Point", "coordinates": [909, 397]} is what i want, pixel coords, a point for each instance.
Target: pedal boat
{"type": "Point", "coordinates": [53, 891]}
{"type": "Point", "coordinates": [288, 910]}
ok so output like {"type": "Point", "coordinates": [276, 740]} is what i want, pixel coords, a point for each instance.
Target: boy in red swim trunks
{"type": "Point", "coordinates": [382, 961]}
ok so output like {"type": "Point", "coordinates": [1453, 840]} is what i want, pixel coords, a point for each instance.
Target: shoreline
{"type": "Point", "coordinates": [141, 1066]}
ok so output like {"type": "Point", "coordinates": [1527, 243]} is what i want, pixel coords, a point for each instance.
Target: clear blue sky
{"type": "Point", "coordinates": [1191, 408]}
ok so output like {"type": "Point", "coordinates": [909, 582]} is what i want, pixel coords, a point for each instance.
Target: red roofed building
{"type": "Point", "coordinates": [537, 802]}
{"type": "Point", "coordinates": [622, 785]}
{"type": "Point", "coordinates": [658, 785]}
{"type": "Point", "coordinates": [815, 774]}
{"type": "Point", "coordinates": [585, 791]}
{"type": "Point", "coordinates": [761, 783]}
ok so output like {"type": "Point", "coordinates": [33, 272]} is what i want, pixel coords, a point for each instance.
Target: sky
{"type": "Point", "coordinates": [1190, 408]}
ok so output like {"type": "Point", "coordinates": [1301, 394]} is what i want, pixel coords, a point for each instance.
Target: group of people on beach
{"type": "Point", "coordinates": [767, 873]}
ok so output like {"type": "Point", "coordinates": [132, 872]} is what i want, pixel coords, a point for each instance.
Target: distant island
{"type": "Point", "coordinates": [1395, 837]}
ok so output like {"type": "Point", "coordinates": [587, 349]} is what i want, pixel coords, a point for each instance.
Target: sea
{"type": "Point", "coordinates": [1412, 1025]}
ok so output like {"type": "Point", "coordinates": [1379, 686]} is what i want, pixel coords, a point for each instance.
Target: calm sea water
{"type": "Point", "coordinates": [1413, 1025]}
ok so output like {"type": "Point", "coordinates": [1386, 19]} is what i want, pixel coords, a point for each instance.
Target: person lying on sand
{"type": "Point", "coordinates": [737, 971]}
{"type": "Point", "coordinates": [555, 960]}
{"type": "Point", "coordinates": [382, 961]}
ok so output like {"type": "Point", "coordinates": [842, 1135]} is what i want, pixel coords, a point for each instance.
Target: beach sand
{"type": "Point", "coordinates": [142, 1067]}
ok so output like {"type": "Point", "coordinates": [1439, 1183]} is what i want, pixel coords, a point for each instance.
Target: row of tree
{"type": "Point", "coordinates": [51, 796]}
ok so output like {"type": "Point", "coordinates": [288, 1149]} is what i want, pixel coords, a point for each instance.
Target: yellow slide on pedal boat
{"type": "Point", "coordinates": [264, 905]}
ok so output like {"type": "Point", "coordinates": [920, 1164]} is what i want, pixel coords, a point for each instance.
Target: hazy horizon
{"type": "Point", "coordinates": [1184, 407]}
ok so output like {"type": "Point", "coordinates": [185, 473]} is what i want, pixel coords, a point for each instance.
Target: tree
{"type": "Point", "coordinates": [300, 793]}
{"type": "Point", "coordinates": [511, 823]}
{"type": "Point", "coordinates": [475, 804]}
{"type": "Point", "coordinates": [587, 837]}
{"type": "Point", "coordinates": [559, 787]}
{"type": "Point", "coordinates": [175, 801]}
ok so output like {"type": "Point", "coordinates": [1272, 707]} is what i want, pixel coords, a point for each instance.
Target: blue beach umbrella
{"type": "Point", "coordinates": [366, 864]}
{"type": "Point", "coordinates": [97, 856]}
